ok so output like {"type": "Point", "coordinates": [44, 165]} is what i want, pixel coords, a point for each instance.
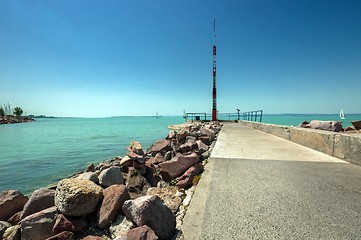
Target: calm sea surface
{"type": "Point", "coordinates": [40, 153]}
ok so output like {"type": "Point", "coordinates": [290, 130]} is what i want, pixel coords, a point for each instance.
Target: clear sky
{"type": "Point", "coordinates": [110, 58]}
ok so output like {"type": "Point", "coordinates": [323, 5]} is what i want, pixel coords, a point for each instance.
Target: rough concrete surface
{"type": "Point", "coordinates": [259, 186]}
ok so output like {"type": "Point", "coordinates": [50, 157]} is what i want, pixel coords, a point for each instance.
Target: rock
{"type": "Point", "coordinates": [3, 226]}
{"type": "Point", "coordinates": [168, 195]}
{"type": "Point", "coordinates": [111, 206]}
{"type": "Point", "coordinates": [151, 176]}
{"type": "Point", "coordinates": [136, 147]}
{"type": "Point", "coordinates": [90, 168]}
{"type": "Point", "coordinates": [172, 135]}
{"type": "Point", "coordinates": [202, 147]}
{"type": "Point", "coordinates": [158, 158]}
{"type": "Point", "coordinates": [183, 133]}
{"type": "Point", "coordinates": [126, 161]}
{"type": "Point", "coordinates": [103, 165]}
{"type": "Point", "coordinates": [12, 233]}
{"type": "Point", "coordinates": [168, 155]}
{"type": "Point", "coordinates": [174, 168]}
{"type": "Point", "coordinates": [304, 124]}
{"type": "Point", "coordinates": [15, 219]}
{"type": "Point", "coordinates": [141, 233]}
{"type": "Point", "coordinates": [175, 146]}
{"type": "Point", "coordinates": [77, 197]}
{"type": "Point", "coordinates": [326, 125]}
{"type": "Point", "coordinates": [11, 202]}
{"type": "Point", "coordinates": [208, 132]}
{"type": "Point", "coordinates": [120, 226]}
{"type": "Point", "coordinates": [40, 199]}
{"type": "Point", "coordinates": [136, 184]}
{"type": "Point", "coordinates": [136, 157]}
{"type": "Point", "coordinates": [39, 225]}
{"type": "Point", "coordinates": [351, 129]}
{"type": "Point", "coordinates": [90, 237]}
{"type": "Point", "coordinates": [187, 178]}
{"type": "Point", "coordinates": [188, 146]}
{"type": "Point", "coordinates": [151, 211]}
{"type": "Point", "coordinates": [205, 139]}
{"type": "Point", "coordinates": [111, 176]}
{"type": "Point", "coordinates": [140, 167]}
{"type": "Point", "coordinates": [161, 146]}
{"type": "Point", "coordinates": [72, 224]}
{"type": "Point", "coordinates": [92, 176]}
{"type": "Point", "coordinates": [66, 235]}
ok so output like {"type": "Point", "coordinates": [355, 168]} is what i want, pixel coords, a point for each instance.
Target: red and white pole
{"type": "Point", "coordinates": [214, 95]}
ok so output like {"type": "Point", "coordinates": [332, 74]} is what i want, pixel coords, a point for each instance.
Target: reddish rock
{"type": "Point", "coordinates": [63, 223]}
{"type": "Point", "coordinates": [39, 225]}
{"type": "Point", "coordinates": [183, 133]}
{"type": "Point", "coordinates": [136, 157]}
{"type": "Point", "coordinates": [15, 219]}
{"type": "Point", "coordinates": [40, 199]}
{"type": "Point", "coordinates": [151, 211]}
{"type": "Point", "coordinates": [158, 158]}
{"type": "Point", "coordinates": [90, 237]}
{"type": "Point", "coordinates": [202, 147]}
{"type": "Point", "coordinates": [205, 139]}
{"type": "Point", "coordinates": [141, 233]}
{"type": "Point", "coordinates": [188, 146]}
{"type": "Point", "coordinates": [90, 168]}
{"type": "Point", "coordinates": [114, 197]}
{"type": "Point", "coordinates": [326, 125]}
{"type": "Point", "coordinates": [161, 146]}
{"type": "Point", "coordinates": [66, 235]}
{"type": "Point", "coordinates": [11, 202]}
{"type": "Point", "coordinates": [208, 132]}
{"type": "Point", "coordinates": [187, 178]}
{"type": "Point", "coordinates": [174, 168]}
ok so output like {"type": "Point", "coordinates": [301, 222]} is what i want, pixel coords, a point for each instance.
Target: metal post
{"type": "Point", "coordinates": [214, 95]}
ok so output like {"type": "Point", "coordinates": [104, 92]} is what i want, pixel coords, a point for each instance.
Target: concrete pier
{"type": "Point", "coordinates": [260, 186]}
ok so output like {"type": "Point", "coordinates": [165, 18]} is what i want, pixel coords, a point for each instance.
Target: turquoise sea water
{"type": "Point", "coordinates": [40, 153]}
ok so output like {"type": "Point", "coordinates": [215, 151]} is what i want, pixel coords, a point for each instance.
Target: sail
{"type": "Point", "coordinates": [342, 115]}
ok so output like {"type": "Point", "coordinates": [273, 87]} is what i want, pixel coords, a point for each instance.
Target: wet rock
{"type": "Point", "coordinates": [168, 195]}
{"type": "Point", "coordinates": [40, 199]}
{"type": "Point", "coordinates": [174, 168]}
{"type": "Point", "coordinates": [161, 146]}
{"type": "Point", "coordinates": [90, 168]}
{"type": "Point", "coordinates": [63, 223]}
{"type": "Point", "coordinates": [111, 176]}
{"type": "Point", "coordinates": [151, 211]}
{"type": "Point", "coordinates": [12, 233]}
{"type": "Point", "coordinates": [136, 184]}
{"type": "Point", "coordinates": [66, 235]}
{"type": "Point", "coordinates": [326, 125]}
{"type": "Point", "coordinates": [120, 226]}
{"type": "Point", "coordinates": [92, 176]}
{"type": "Point", "coordinates": [186, 179]}
{"type": "Point", "coordinates": [39, 225]}
{"type": "Point", "coordinates": [77, 197]}
{"type": "Point", "coordinates": [114, 197]}
{"type": "Point", "coordinates": [11, 202]}
{"type": "Point", "coordinates": [141, 233]}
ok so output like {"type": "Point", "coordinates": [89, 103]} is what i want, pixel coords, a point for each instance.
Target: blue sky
{"type": "Point", "coordinates": [109, 58]}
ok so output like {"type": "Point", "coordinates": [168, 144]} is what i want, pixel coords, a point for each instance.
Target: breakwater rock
{"type": "Point", "coordinates": [143, 195]}
{"type": "Point", "coordinates": [14, 119]}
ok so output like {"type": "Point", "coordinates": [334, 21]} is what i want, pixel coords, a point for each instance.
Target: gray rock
{"type": "Point", "coordinates": [92, 176]}
{"type": "Point", "coordinates": [326, 125]}
{"type": "Point", "coordinates": [3, 226]}
{"type": "Point", "coordinates": [77, 197]}
{"type": "Point", "coordinates": [11, 202]}
{"type": "Point", "coordinates": [90, 168]}
{"type": "Point", "coordinates": [40, 199]}
{"type": "Point", "coordinates": [151, 211]}
{"type": "Point", "coordinates": [111, 206]}
{"type": "Point", "coordinates": [110, 176]}
{"type": "Point", "coordinates": [38, 225]}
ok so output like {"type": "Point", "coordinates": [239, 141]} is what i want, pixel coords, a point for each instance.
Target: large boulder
{"type": "Point", "coordinates": [326, 125]}
{"type": "Point", "coordinates": [161, 146]}
{"type": "Point", "coordinates": [39, 225]}
{"type": "Point", "coordinates": [151, 211]}
{"type": "Point", "coordinates": [77, 197]}
{"type": "Point", "coordinates": [168, 195]}
{"type": "Point", "coordinates": [110, 176]}
{"type": "Point", "coordinates": [40, 199]}
{"type": "Point", "coordinates": [174, 168]}
{"type": "Point", "coordinates": [11, 202]}
{"type": "Point", "coordinates": [111, 206]}
{"type": "Point", "coordinates": [186, 179]}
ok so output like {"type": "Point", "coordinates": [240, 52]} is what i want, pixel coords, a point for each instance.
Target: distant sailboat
{"type": "Point", "coordinates": [342, 115]}
{"type": "Point", "coordinates": [156, 115]}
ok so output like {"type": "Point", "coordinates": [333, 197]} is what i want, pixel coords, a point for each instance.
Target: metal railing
{"type": "Point", "coordinates": [255, 116]}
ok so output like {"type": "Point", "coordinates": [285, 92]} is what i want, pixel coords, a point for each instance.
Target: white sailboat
{"type": "Point", "coordinates": [342, 115]}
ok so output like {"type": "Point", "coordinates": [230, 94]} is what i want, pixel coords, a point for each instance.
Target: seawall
{"type": "Point", "coordinates": [346, 146]}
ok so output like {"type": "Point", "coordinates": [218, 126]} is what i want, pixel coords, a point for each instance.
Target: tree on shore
{"type": "Point", "coordinates": [18, 111]}
{"type": "Point", "coordinates": [2, 112]}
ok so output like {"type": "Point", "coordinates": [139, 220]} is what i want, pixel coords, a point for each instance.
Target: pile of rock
{"type": "Point", "coordinates": [14, 119]}
{"type": "Point", "coordinates": [333, 126]}
{"type": "Point", "coordinates": [140, 196]}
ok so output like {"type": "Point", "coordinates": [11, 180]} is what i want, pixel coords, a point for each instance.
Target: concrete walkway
{"type": "Point", "coordinates": [258, 186]}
